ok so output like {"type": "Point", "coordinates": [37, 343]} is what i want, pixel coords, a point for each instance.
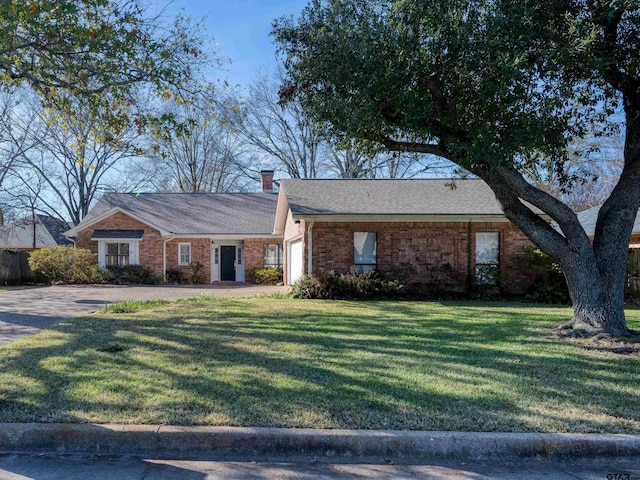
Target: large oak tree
{"type": "Point", "coordinates": [500, 88]}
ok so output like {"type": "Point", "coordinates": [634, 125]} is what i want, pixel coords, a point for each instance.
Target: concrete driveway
{"type": "Point", "coordinates": [26, 311]}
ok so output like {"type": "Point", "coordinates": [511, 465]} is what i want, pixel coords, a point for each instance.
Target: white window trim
{"type": "Point", "coordinates": [180, 262]}
{"type": "Point", "coordinates": [134, 244]}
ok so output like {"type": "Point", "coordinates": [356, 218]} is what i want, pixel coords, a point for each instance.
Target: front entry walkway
{"type": "Point", "coordinates": [26, 311]}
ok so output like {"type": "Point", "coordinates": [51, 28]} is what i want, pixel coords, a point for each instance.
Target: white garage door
{"type": "Point", "coordinates": [295, 261]}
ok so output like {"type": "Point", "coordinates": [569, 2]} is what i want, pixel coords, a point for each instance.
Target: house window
{"type": "Point", "coordinates": [184, 254]}
{"type": "Point", "coordinates": [365, 251]}
{"type": "Point", "coordinates": [273, 256]}
{"type": "Point", "coordinates": [117, 254]}
{"type": "Point", "coordinates": [216, 254]}
{"type": "Point", "coordinates": [487, 257]}
{"type": "Point", "coordinates": [239, 255]}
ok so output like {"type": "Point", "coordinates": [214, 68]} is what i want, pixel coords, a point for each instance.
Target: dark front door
{"type": "Point", "coordinates": [228, 264]}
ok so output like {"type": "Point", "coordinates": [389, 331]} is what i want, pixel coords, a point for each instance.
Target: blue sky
{"type": "Point", "coordinates": [241, 30]}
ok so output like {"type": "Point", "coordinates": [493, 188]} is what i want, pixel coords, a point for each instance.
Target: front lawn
{"type": "Point", "coordinates": [295, 363]}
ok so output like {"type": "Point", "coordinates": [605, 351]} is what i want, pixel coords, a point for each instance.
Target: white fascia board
{"type": "Point", "coordinates": [282, 210]}
{"type": "Point", "coordinates": [78, 228]}
{"type": "Point", "coordinates": [225, 236]}
{"type": "Point", "coordinates": [117, 240]}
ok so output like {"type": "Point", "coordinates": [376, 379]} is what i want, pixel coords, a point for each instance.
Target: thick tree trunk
{"type": "Point", "coordinates": [595, 274]}
{"type": "Point", "coordinates": [611, 248]}
{"type": "Point", "coordinates": [585, 288]}
{"type": "Point", "coordinates": [616, 219]}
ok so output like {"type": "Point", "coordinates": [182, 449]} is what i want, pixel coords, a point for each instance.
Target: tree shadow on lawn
{"type": "Point", "coordinates": [395, 368]}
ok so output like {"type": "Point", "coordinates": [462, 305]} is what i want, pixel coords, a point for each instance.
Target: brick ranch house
{"type": "Point", "coordinates": [425, 229]}
{"type": "Point", "coordinates": [438, 231]}
{"type": "Point", "coordinates": [228, 233]}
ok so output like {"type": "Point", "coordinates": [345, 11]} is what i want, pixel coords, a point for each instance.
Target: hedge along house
{"type": "Point", "coordinates": [229, 234]}
{"type": "Point", "coordinates": [450, 233]}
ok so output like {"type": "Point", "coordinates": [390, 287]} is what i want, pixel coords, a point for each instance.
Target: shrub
{"type": "Point", "coordinates": [544, 278]}
{"type": "Point", "coordinates": [265, 276]}
{"type": "Point", "coordinates": [99, 274]}
{"type": "Point", "coordinates": [174, 275]}
{"type": "Point", "coordinates": [632, 288]}
{"type": "Point", "coordinates": [65, 264]}
{"type": "Point", "coordinates": [155, 280]}
{"type": "Point", "coordinates": [128, 274]}
{"type": "Point", "coordinates": [350, 286]}
{"type": "Point", "coordinates": [197, 273]}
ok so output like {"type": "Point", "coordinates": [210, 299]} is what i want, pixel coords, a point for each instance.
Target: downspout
{"type": "Point", "coordinates": [310, 248]}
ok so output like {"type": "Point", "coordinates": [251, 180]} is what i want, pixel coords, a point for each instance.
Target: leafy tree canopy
{"type": "Point", "coordinates": [95, 50]}
{"type": "Point", "coordinates": [500, 88]}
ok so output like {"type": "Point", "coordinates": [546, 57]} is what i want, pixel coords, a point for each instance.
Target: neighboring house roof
{"type": "Point", "coordinates": [20, 234]}
{"type": "Point", "coordinates": [390, 197]}
{"type": "Point", "coordinates": [191, 213]}
{"type": "Point", "coordinates": [588, 219]}
{"type": "Point", "coordinates": [56, 229]}
{"type": "Point", "coordinates": [117, 234]}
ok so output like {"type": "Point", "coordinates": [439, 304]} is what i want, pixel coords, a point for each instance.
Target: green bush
{"type": "Point", "coordinates": [128, 274]}
{"type": "Point", "coordinates": [544, 279]}
{"type": "Point", "coordinates": [350, 286]}
{"type": "Point", "coordinates": [265, 276]}
{"type": "Point", "coordinates": [155, 280]}
{"type": "Point", "coordinates": [197, 273]}
{"type": "Point", "coordinates": [65, 264]}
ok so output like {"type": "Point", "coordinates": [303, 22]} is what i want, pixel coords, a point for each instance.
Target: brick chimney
{"type": "Point", "coordinates": [266, 181]}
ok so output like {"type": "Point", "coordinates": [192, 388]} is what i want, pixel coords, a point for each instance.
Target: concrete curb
{"type": "Point", "coordinates": [218, 441]}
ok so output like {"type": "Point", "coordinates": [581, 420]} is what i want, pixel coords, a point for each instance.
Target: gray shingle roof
{"type": "Point", "coordinates": [390, 197]}
{"type": "Point", "coordinates": [20, 234]}
{"type": "Point", "coordinates": [588, 219]}
{"type": "Point", "coordinates": [195, 213]}
{"type": "Point", "coordinates": [124, 234]}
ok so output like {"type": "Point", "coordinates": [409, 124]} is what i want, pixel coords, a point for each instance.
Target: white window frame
{"type": "Point", "coordinates": [134, 249]}
{"type": "Point", "coordinates": [180, 262]}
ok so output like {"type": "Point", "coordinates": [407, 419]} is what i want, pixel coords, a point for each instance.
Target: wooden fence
{"type": "Point", "coordinates": [14, 268]}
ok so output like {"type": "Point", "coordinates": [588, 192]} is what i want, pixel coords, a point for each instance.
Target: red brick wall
{"type": "Point", "coordinates": [254, 254]}
{"type": "Point", "coordinates": [150, 253]}
{"type": "Point", "coordinates": [428, 247]}
{"type": "Point", "coordinates": [200, 252]}
{"type": "Point", "coordinates": [151, 245]}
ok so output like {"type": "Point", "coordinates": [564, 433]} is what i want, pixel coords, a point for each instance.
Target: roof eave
{"type": "Point", "coordinates": [82, 226]}
{"type": "Point", "coordinates": [282, 210]}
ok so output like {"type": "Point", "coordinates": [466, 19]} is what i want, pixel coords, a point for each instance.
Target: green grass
{"type": "Point", "coordinates": [288, 363]}
{"type": "Point", "coordinates": [133, 306]}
